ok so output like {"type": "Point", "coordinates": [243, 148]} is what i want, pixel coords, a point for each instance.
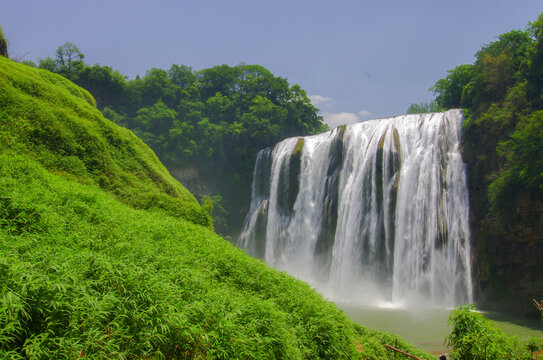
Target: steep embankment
{"type": "Point", "coordinates": [104, 255]}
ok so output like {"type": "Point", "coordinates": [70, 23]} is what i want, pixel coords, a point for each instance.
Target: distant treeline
{"type": "Point", "coordinates": [214, 119]}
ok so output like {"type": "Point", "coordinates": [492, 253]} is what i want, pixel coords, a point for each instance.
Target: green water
{"type": "Point", "coordinates": [427, 327]}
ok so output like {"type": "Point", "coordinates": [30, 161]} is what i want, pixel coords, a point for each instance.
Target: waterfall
{"type": "Point", "coordinates": [372, 212]}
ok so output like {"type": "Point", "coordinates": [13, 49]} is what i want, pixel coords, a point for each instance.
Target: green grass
{"type": "Point", "coordinates": [56, 122]}
{"type": "Point", "coordinates": [104, 255]}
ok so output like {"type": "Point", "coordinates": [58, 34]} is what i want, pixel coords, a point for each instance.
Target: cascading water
{"type": "Point", "coordinates": [371, 212]}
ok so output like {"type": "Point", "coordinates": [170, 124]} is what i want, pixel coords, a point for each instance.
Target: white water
{"type": "Point", "coordinates": [374, 213]}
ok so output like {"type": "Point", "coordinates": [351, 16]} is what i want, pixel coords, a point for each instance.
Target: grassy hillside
{"type": "Point", "coordinates": [103, 255]}
{"type": "Point", "coordinates": [56, 123]}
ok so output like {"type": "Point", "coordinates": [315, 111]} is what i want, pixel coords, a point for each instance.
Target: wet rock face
{"type": "Point", "coordinates": [326, 237]}
{"type": "Point", "coordinates": [260, 230]}
{"type": "Point", "coordinates": [289, 180]}
{"type": "Point", "coordinates": [508, 258]}
{"type": "Point", "coordinates": [191, 178]}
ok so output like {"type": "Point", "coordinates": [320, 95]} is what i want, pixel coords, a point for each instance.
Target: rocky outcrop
{"type": "Point", "coordinates": [508, 257]}
{"type": "Point", "coordinates": [191, 178]}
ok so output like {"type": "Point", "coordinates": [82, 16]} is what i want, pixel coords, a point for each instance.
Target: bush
{"type": "Point", "coordinates": [476, 338]}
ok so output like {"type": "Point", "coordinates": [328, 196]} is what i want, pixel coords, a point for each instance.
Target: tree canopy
{"type": "Point", "coordinates": [502, 94]}
{"type": "Point", "coordinates": [214, 119]}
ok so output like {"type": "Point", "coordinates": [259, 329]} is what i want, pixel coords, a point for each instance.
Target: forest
{"type": "Point", "coordinates": [214, 120]}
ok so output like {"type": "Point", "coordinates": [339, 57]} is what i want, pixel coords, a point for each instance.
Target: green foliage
{"type": "Point", "coordinates": [524, 164]}
{"type": "Point", "coordinates": [83, 275]}
{"type": "Point", "coordinates": [48, 116]}
{"type": "Point", "coordinates": [213, 205]}
{"type": "Point", "coordinates": [534, 73]}
{"type": "Point", "coordinates": [68, 59]}
{"type": "Point", "coordinates": [422, 108]}
{"type": "Point", "coordinates": [215, 119]}
{"type": "Point", "coordinates": [534, 344]}
{"type": "Point", "coordinates": [499, 66]}
{"type": "Point", "coordinates": [107, 86]}
{"type": "Point", "coordinates": [476, 338]}
{"type": "Point", "coordinates": [449, 91]}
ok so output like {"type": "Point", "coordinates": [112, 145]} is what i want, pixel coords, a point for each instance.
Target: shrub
{"type": "Point", "coordinates": [476, 338]}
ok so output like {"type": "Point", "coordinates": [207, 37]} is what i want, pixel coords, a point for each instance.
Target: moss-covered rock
{"type": "Point", "coordinates": [298, 147]}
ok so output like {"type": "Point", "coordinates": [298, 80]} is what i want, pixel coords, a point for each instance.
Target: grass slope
{"type": "Point", "coordinates": [103, 255]}
{"type": "Point", "coordinates": [57, 123]}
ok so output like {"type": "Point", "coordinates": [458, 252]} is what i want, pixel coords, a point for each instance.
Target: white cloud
{"type": "Point", "coordinates": [364, 113]}
{"type": "Point", "coordinates": [317, 100]}
{"type": "Point", "coordinates": [344, 118]}
{"type": "Point", "coordinates": [333, 120]}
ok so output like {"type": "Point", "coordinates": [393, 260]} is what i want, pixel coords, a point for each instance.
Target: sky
{"type": "Point", "coordinates": [356, 59]}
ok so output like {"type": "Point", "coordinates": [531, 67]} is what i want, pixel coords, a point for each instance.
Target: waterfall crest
{"type": "Point", "coordinates": [372, 212]}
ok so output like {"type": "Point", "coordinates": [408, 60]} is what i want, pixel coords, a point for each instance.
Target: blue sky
{"type": "Point", "coordinates": [356, 59]}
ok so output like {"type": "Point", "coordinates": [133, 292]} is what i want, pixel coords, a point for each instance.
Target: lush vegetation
{"type": "Point", "coordinates": [56, 122]}
{"type": "Point", "coordinates": [476, 338]}
{"type": "Point", "coordinates": [105, 256]}
{"type": "Point", "coordinates": [502, 94]}
{"type": "Point", "coordinates": [424, 107]}
{"type": "Point", "coordinates": [215, 120]}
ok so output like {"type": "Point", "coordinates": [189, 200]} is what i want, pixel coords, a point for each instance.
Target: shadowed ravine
{"type": "Point", "coordinates": [375, 212]}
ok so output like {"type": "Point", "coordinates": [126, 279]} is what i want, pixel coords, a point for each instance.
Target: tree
{"type": "Point", "coordinates": [534, 74]}
{"type": "Point", "coordinates": [213, 205]}
{"type": "Point", "coordinates": [3, 44]}
{"type": "Point", "coordinates": [68, 59]}
{"type": "Point", "coordinates": [422, 108]}
{"type": "Point", "coordinates": [182, 76]}
{"type": "Point", "coordinates": [500, 65]}
{"type": "Point", "coordinates": [47, 63]}
{"type": "Point", "coordinates": [108, 86]}
{"type": "Point", "coordinates": [474, 337]}
{"type": "Point", "coordinates": [222, 78]}
{"type": "Point", "coordinates": [523, 152]}
{"type": "Point", "coordinates": [157, 119]}
{"type": "Point", "coordinates": [158, 86]}
{"type": "Point", "coordinates": [448, 91]}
